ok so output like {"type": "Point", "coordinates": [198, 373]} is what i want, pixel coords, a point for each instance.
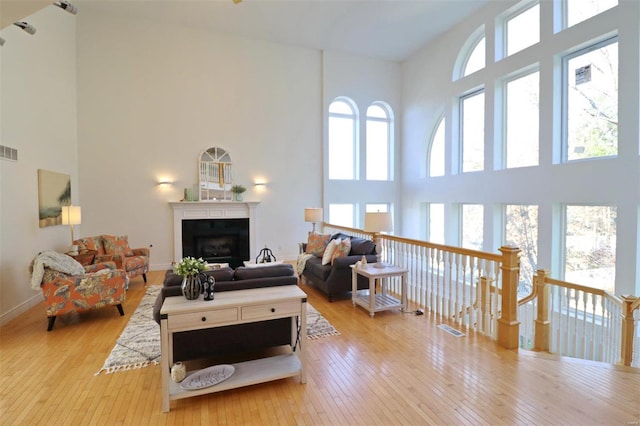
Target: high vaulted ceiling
{"type": "Point", "coordinates": [387, 29]}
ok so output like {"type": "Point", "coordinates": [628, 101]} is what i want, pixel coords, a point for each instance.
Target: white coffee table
{"type": "Point", "coordinates": [382, 301]}
{"type": "Point", "coordinates": [229, 308]}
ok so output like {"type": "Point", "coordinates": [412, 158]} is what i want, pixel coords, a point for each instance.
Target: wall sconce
{"type": "Point", "coordinates": [68, 7]}
{"type": "Point", "coordinates": [164, 185]}
{"type": "Point", "coordinates": [28, 28]}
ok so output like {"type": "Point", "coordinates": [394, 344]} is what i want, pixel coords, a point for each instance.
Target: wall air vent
{"type": "Point", "coordinates": [7, 153]}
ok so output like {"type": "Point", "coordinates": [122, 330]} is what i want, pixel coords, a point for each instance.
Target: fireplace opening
{"type": "Point", "coordinates": [216, 240]}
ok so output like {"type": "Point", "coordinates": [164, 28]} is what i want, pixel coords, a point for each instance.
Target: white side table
{"type": "Point", "coordinates": [382, 301]}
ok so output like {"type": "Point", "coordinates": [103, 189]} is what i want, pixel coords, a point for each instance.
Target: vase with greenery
{"type": "Point", "coordinates": [190, 268]}
{"type": "Point", "coordinates": [237, 191]}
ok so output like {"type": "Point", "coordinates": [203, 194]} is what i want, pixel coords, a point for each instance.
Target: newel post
{"type": "Point", "coordinates": [626, 347]}
{"type": "Point", "coordinates": [508, 324]}
{"type": "Point", "coordinates": [542, 323]}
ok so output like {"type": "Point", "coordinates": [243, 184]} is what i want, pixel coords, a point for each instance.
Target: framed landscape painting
{"type": "Point", "coordinates": [54, 191]}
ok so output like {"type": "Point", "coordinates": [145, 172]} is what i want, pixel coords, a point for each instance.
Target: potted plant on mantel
{"type": "Point", "coordinates": [237, 191]}
{"type": "Point", "coordinates": [189, 268]}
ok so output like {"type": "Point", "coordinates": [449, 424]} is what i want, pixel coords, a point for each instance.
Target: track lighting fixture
{"type": "Point", "coordinates": [65, 5]}
{"type": "Point", "coordinates": [26, 27]}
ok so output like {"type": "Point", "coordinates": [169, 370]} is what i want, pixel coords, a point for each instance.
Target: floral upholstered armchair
{"type": "Point", "coordinates": [116, 249]}
{"type": "Point", "coordinates": [78, 288]}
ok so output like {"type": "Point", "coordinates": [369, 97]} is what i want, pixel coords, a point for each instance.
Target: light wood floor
{"type": "Point", "coordinates": [394, 369]}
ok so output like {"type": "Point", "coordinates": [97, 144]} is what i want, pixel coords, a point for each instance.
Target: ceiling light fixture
{"type": "Point", "coordinates": [65, 5]}
{"type": "Point", "coordinates": [28, 28]}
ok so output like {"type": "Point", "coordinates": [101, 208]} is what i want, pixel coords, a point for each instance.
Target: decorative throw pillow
{"type": "Point", "coordinates": [317, 243]}
{"type": "Point", "coordinates": [342, 249]}
{"type": "Point", "coordinates": [117, 245]}
{"type": "Point", "coordinates": [328, 252]}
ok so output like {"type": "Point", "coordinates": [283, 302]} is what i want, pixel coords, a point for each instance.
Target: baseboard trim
{"type": "Point", "coordinates": [20, 309]}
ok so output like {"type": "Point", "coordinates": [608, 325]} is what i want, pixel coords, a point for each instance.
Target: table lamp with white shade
{"type": "Point", "coordinates": [313, 215]}
{"type": "Point", "coordinates": [378, 222]}
{"type": "Point", "coordinates": [71, 215]}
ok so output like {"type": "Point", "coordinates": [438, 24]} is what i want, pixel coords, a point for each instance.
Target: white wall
{"type": "Point", "coordinates": [428, 93]}
{"type": "Point", "coordinates": [38, 118]}
{"type": "Point", "coordinates": [152, 97]}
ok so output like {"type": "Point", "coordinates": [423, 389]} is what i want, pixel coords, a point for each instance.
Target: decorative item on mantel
{"type": "Point", "coordinates": [237, 191]}
{"type": "Point", "coordinates": [191, 270]}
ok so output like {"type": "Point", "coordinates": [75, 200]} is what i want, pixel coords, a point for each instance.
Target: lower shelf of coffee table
{"type": "Point", "coordinates": [246, 374]}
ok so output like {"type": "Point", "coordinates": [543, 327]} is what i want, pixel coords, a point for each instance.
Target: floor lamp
{"type": "Point", "coordinates": [313, 215]}
{"type": "Point", "coordinates": [71, 215]}
{"type": "Point", "coordinates": [377, 222]}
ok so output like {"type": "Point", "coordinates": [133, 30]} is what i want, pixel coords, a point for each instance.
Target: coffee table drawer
{"type": "Point", "coordinates": [275, 310]}
{"type": "Point", "coordinates": [202, 319]}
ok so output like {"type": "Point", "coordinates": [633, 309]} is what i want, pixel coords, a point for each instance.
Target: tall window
{"type": "Point", "coordinates": [378, 142]}
{"type": "Point", "coordinates": [341, 214]}
{"type": "Point", "coordinates": [472, 226]}
{"type": "Point", "coordinates": [580, 10]}
{"type": "Point", "coordinates": [436, 223]}
{"type": "Point", "coordinates": [476, 59]}
{"type": "Point", "coordinates": [436, 151]}
{"type": "Point", "coordinates": [591, 102]}
{"type": "Point", "coordinates": [523, 30]}
{"type": "Point", "coordinates": [472, 131]}
{"type": "Point", "coordinates": [343, 121]}
{"type": "Point", "coordinates": [590, 246]}
{"type": "Point", "coordinates": [521, 229]}
{"type": "Point", "coordinates": [522, 129]}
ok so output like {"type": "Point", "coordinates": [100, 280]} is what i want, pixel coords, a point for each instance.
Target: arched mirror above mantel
{"type": "Point", "coordinates": [214, 170]}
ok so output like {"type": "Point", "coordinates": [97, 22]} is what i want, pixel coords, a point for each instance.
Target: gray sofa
{"type": "Point", "coordinates": [232, 339]}
{"type": "Point", "coordinates": [334, 279]}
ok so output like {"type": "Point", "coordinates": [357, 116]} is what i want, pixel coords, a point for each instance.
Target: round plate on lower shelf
{"type": "Point", "coordinates": [207, 377]}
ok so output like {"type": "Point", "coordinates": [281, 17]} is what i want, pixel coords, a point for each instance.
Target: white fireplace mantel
{"type": "Point", "coordinates": [185, 210]}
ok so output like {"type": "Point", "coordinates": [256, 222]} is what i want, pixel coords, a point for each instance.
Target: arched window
{"type": "Point", "coordinates": [472, 55]}
{"type": "Point", "coordinates": [436, 150]}
{"type": "Point", "coordinates": [379, 142]}
{"type": "Point", "coordinates": [343, 128]}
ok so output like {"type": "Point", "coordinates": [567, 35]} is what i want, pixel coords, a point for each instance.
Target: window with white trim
{"type": "Point", "coordinates": [342, 214]}
{"type": "Point", "coordinates": [472, 132]}
{"type": "Point", "coordinates": [576, 11]}
{"type": "Point", "coordinates": [522, 30]}
{"type": "Point", "coordinates": [476, 59]}
{"type": "Point", "coordinates": [379, 146]}
{"type": "Point", "coordinates": [343, 131]}
{"type": "Point", "coordinates": [472, 226]}
{"type": "Point", "coordinates": [590, 246]}
{"type": "Point", "coordinates": [590, 102]}
{"type": "Point", "coordinates": [522, 130]}
{"type": "Point", "coordinates": [436, 223]}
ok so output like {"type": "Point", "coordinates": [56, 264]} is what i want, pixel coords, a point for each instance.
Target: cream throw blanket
{"type": "Point", "coordinates": [302, 261]}
{"type": "Point", "coordinates": [54, 260]}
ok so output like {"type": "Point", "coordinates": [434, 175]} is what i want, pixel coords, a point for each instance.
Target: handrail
{"type": "Point", "coordinates": [478, 290]}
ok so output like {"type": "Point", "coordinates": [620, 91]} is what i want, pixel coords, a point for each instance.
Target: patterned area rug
{"type": "Point", "coordinates": [139, 344]}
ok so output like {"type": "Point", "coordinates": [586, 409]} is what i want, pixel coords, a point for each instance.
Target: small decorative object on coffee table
{"type": "Point", "coordinates": [208, 284]}
{"type": "Point", "coordinates": [190, 269]}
